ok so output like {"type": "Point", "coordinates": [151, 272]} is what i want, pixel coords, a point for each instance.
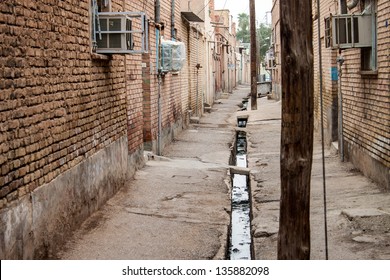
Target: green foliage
{"type": "Point", "coordinates": [263, 34]}
{"type": "Point", "coordinates": [243, 33]}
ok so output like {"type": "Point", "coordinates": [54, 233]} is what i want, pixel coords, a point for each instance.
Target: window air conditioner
{"type": "Point", "coordinates": [348, 31]}
{"type": "Point", "coordinates": [116, 34]}
{"type": "Point", "coordinates": [270, 59]}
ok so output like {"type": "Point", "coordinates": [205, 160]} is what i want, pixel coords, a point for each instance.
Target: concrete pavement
{"type": "Point", "coordinates": [358, 211]}
{"type": "Point", "coordinates": [178, 206]}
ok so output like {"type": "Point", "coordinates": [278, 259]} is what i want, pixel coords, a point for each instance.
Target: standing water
{"type": "Point", "coordinates": [240, 240]}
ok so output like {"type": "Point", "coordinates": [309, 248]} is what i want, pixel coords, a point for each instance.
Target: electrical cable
{"type": "Point", "coordinates": [322, 129]}
{"type": "Point", "coordinates": [203, 8]}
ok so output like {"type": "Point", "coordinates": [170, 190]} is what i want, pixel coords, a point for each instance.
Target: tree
{"type": "Point", "coordinates": [264, 39]}
{"type": "Point", "coordinates": [243, 33]}
{"type": "Point", "coordinates": [297, 128]}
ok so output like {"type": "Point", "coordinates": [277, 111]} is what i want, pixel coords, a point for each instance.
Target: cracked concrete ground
{"type": "Point", "coordinates": [178, 206]}
{"type": "Point", "coordinates": [358, 210]}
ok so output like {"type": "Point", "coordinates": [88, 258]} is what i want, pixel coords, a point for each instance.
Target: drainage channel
{"type": "Point", "coordinates": [240, 247]}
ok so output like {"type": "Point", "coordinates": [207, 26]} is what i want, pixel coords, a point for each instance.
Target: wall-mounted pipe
{"type": "Point", "coordinates": [157, 11]}
{"type": "Point", "coordinates": [158, 66]}
{"type": "Point", "coordinates": [158, 91]}
{"type": "Point", "coordinates": [173, 35]}
{"type": "Point", "coordinates": [352, 4]}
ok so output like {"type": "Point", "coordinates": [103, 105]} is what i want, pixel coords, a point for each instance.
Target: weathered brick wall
{"type": "Point", "coordinates": [183, 36]}
{"type": "Point", "coordinates": [173, 86]}
{"type": "Point", "coordinates": [196, 56]}
{"type": "Point", "coordinates": [366, 97]}
{"type": "Point", "coordinates": [134, 82]}
{"type": "Point", "coordinates": [329, 86]}
{"type": "Point", "coordinates": [69, 122]}
{"type": "Point", "coordinates": [58, 105]}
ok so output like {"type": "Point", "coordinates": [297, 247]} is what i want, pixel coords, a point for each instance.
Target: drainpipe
{"type": "Point", "coordinates": [157, 11]}
{"type": "Point", "coordinates": [158, 67]}
{"type": "Point", "coordinates": [158, 53]}
{"type": "Point", "coordinates": [197, 71]}
{"type": "Point", "coordinates": [159, 117]}
{"type": "Point", "coordinates": [340, 61]}
{"type": "Point", "coordinates": [352, 4]}
{"type": "Point", "coordinates": [228, 70]}
{"type": "Point", "coordinates": [173, 35]}
{"type": "Point", "coordinates": [189, 72]}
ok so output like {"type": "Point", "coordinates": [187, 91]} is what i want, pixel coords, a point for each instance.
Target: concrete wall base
{"type": "Point", "coordinates": [369, 166]}
{"type": "Point", "coordinates": [36, 225]}
{"type": "Point", "coordinates": [276, 92]}
{"type": "Point", "coordinates": [168, 134]}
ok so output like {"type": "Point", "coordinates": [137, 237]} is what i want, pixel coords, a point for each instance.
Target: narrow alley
{"type": "Point", "coordinates": [180, 129]}
{"type": "Point", "coordinates": [178, 205]}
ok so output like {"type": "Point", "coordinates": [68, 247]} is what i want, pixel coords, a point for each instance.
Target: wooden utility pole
{"type": "Point", "coordinates": [252, 20]}
{"type": "Point", "coordinates": [297, 128]}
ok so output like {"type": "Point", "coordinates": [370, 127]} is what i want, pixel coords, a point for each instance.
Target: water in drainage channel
{"type": "Point", "coordinates": [240, 233]}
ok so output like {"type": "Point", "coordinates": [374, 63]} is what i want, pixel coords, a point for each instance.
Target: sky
{"type": "Point", "coordinates": [242, 6]}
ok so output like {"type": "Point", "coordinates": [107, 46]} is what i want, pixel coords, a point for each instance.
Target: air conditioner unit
{"type": "Point", "coordinates": [348, 31]}
{"type": "Point", "coordinates": [270, 64]}
{"type": "Point", "coordinates": [173, 55]}
{"type": "Point", "coordinates": [115, 35]}
{"type": "Point", "coordinates": [114, 32]}
{"type": "Point", "coordinates": [270, 59]}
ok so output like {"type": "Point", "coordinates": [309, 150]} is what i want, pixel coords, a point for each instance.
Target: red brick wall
{"type": "Point", "coordinates": [366, 98]}
{"type": "Point", "coordinates": [171, 84]}
{"type": "Point", "coordinates": [58, 105]}
{"type": "Point", "coordinates": [328, 61]}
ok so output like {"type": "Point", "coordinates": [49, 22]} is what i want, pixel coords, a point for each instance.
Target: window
{"type": "Point", "coordinates": [369, 54]}
{"type": "Point", "coordinates": [328, 33]}
{"type": "Point", "coordinates": [113, 34]}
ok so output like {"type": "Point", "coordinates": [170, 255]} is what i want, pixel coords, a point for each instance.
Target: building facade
{"type": "Point", "coordinates": [355, 55]}
{"type": "Point", "coordinates": [75, 120]}
{"type": "Point", "coordinates": [356, 82]}
{"type": "Point", "coordinates": [273, 62]}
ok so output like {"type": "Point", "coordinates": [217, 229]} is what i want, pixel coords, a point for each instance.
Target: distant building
{"type": "Point", "coordinates": [273, 58]}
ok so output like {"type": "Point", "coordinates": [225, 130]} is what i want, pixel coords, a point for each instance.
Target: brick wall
{"type": "Point", "coordinates": [366, 98]}
{"type": "Point", "coordinates": [196, 47]}
{"type": "Point", "coordinates": [134, 90]}
{"type": "Point", "coordinates": [173, 86]}
{"type": "Point", "coordinates": [72, 123]}
{"type": "Point", "coordinates": [329, 85]}
{"type": "Point", "coordinates": [69, 122]}
{"type": "Point", "coordinates": [183, 36]}
{"type": "Point", "coordinates": [58, 105]}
